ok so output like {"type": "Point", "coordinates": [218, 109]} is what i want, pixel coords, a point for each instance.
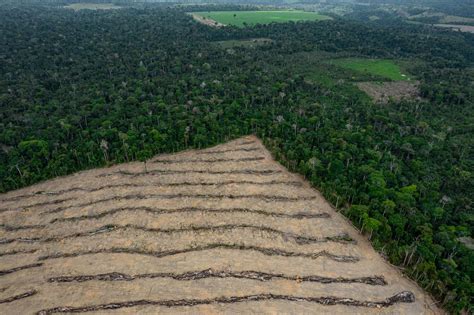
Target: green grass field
{"type": "Point", "coordinates": [378, 67]}
{"type": "Point", "coordinates": [242, 18]}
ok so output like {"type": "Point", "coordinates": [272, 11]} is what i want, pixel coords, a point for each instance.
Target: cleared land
{"type": "Point", "coordinates": [387, 69]}
{"type": "Point", "coordinates": [385, 91]}
{"type": "Point", "coordinates": [242, 18]}
{"type": "Point", "coordinates": [454, 27]}
{"type": "Point", "coordinates": [206, 21]}
{"type": "Point", "coordinates": [92, 6]}
{"type": "Point", "coordinates": [225, 229]}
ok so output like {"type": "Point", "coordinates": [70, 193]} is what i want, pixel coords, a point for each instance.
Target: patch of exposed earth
{"type": "Point", "coordinates": [454, 27]}
{"type": "Point", "coordinates": [206, 21]}
{"type": "Point", "coordinates": [382, 92]}
{"type": "Point", "coordinates": [221, 230]}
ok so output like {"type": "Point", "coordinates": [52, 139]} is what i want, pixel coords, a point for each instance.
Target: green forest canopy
{"type": "Point", "coordinates": [86, 89]}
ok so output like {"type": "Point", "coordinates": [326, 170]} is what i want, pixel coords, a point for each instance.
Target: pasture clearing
{"type": "Point", "coordinates": [381, 68]}
{"type": "Point", "coordinates": [248, 18]}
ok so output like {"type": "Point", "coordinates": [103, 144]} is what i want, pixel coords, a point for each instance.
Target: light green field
{"type": "Point", "coordinates": [378, 67]}
{"type": "Point", "coordinates": [242, 18]}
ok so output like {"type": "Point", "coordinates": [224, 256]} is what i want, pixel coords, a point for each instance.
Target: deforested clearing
{"type": "Point", "coordinates": [383, 68]}
{"type": "Point", "coordinates": [248, 18]}
{"type": "Point", "coordinates": [206, 20]}
{"type": "Point", "coordinates": [386, 91]}
{"type": "Point", "coordinates": [459, 28]}
{"type": "Point", "coordinates": [225, 229]}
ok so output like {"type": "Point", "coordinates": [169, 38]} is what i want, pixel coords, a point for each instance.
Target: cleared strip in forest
{"type": "Point", "coordinates": [210, 172]}
{"type": "Point", "coordinates": [220, 160]}
{"type": "Point", "coordinates": [19, 296]}
{"type": "Point", "coordinates": [228, 150]}
{"type": "Point", "coordinates": [177, 184]}
{"type": "Point", "coordinates": [161, 254]}
{"type": "Point", "coordinates": [299, 239]}
{"type": "Point", "coordinates": [16, 252]}
{"type": "Point", "coordinates": [263, 197]}
{"type": "Point", "coordinates": [402, 297]}
{"type": "Point", "coordinates": [210, 273]}
{"type": "Point", "coordinates": [12, 270]}
{"type": "Point", "coordinates": [301, 215]}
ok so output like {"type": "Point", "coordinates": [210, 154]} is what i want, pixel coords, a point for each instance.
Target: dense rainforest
{"type": "Point", "coordinates": [92, 88]}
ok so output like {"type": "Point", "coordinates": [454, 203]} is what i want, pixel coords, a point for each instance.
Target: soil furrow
{"type": "Point", "coordinates": [229, 150]}
{"type": "Point", "coordinates": [218, 160]}
{"type": "Point", "coordinates": [21, 227]}
{"type": "Point", "coordinates": [159, 211]}
{"type": "Point", "coordinates": [300, 216]}
{"type": "Point", "coordinates": [16, 252]}
{"type": "Point", "coordinates": [12, 270]}
{"type": "Point", "coordinates": [210, 273]}
{"type": "Point", "coordinates": [19, 296]}
{"type": "Point", "coordinates": [263, 197]}
{"type": "Point", "coordinates": [160, 254]}
{"type": "Point", "coordinates": [245, 143]}
{"type": "Point", "coordinates": [45, 203]}
{"type": "Point", "coordinates": [174, 172]}
{"type": "Point", "coordinates": [402, 297]}
{"type": "Point", "coordinates": [299, 239]}
{"type": "Point", "coordinates": [131, 185]}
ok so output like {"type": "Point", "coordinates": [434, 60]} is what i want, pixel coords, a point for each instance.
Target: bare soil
{"type": "Point", "coordinates": [206, 21]}
{"type": "Point", "coordinates": [455, 27]}
{"type": "Point", "coordinates": [221, 230]}
{"type": "Point", "coordinates": [384, 91]}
